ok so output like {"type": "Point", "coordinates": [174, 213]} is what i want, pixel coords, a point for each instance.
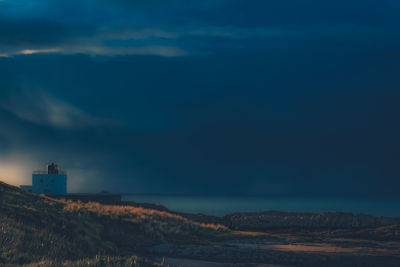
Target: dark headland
{"type": "Point", "coordinates": [37, 230]}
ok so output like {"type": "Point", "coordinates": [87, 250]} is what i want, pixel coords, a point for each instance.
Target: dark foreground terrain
{"type": "Point", "coordinates": [40, 231]}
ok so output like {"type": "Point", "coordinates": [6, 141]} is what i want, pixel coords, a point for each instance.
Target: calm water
{"type": "Point", "coordinates": [221, 205]}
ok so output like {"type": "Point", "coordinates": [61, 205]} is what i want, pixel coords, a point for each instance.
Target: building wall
{"type": "Point", "coordinates": [50, 184]}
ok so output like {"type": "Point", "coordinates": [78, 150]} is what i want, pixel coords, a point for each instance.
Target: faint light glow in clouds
{"type": "Point", "coordinates": [154, 50]}
{"type": "Point", "coordinates": [42, 109]}
{"type": "Point", "coordinates": [31, 52]}
{"type": "Point", "coordinates": [37, 51]}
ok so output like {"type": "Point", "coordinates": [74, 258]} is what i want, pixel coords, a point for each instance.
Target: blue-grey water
{"type": "Point", "coordinates": [222, 205]}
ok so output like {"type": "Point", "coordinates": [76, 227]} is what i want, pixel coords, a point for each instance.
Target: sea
{"type": "Point", "coordinates": [222, 205]}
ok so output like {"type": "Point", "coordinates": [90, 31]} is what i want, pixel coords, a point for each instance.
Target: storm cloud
{"type": "Point", "coordinates": [283, 98]}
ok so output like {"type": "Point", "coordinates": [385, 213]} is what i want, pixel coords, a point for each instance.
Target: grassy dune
{"type": "Point", "coordinates": [37, 231]}
{"type": "Point", "coordinates": [40, 229]}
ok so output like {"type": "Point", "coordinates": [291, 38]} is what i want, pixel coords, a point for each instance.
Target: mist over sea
{"type": "Point", "coordinates": [222, 205]}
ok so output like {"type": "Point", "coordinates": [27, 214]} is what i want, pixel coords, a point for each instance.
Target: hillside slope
{"type": "Point", "coordinates": [34, 228]}
{"type": "Point", "coordinates": [40, 231]}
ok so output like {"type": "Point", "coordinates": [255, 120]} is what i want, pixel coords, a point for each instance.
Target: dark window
{"type": "Point", "coordinates": [47, 192]}
{"type": "Point", "coordinates": [41, 180]}
{"type": "Point", "coordinates": [52, 180]}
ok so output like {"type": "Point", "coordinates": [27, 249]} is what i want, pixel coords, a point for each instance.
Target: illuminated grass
{"type": "Point", "coordinates": [36, 228]}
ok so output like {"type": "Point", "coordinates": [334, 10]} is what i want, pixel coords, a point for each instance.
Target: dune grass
{"type": "Point", "coordinates": [38, 229]}
{"type": "Point", "coordinates": [164, 225]}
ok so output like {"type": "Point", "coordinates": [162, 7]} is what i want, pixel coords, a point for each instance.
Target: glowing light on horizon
{"type": "Point", "coordinates": [15, 172]}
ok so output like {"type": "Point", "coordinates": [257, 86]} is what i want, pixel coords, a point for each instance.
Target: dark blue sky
{"type": "Point", "coordinates": [271, 97]}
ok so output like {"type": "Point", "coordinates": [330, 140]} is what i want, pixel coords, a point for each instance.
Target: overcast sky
{"type": "Point", "coordinates": [288, 97]}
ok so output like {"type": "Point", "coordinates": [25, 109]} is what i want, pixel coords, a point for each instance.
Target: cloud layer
{"type": "Point", "coordinates": [181, 28]}
{"type": "Point", "coordinates": [287, 98]}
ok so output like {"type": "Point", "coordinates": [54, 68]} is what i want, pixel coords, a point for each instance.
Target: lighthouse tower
{"type": "Point", "coordinates": [49, 182]}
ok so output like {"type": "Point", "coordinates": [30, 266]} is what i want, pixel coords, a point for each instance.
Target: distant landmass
{"type": "Point", "coordinates": [37, 230]}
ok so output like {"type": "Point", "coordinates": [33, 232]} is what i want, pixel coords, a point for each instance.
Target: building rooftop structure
{"type": "Point", "coordinates": [53, 181]}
